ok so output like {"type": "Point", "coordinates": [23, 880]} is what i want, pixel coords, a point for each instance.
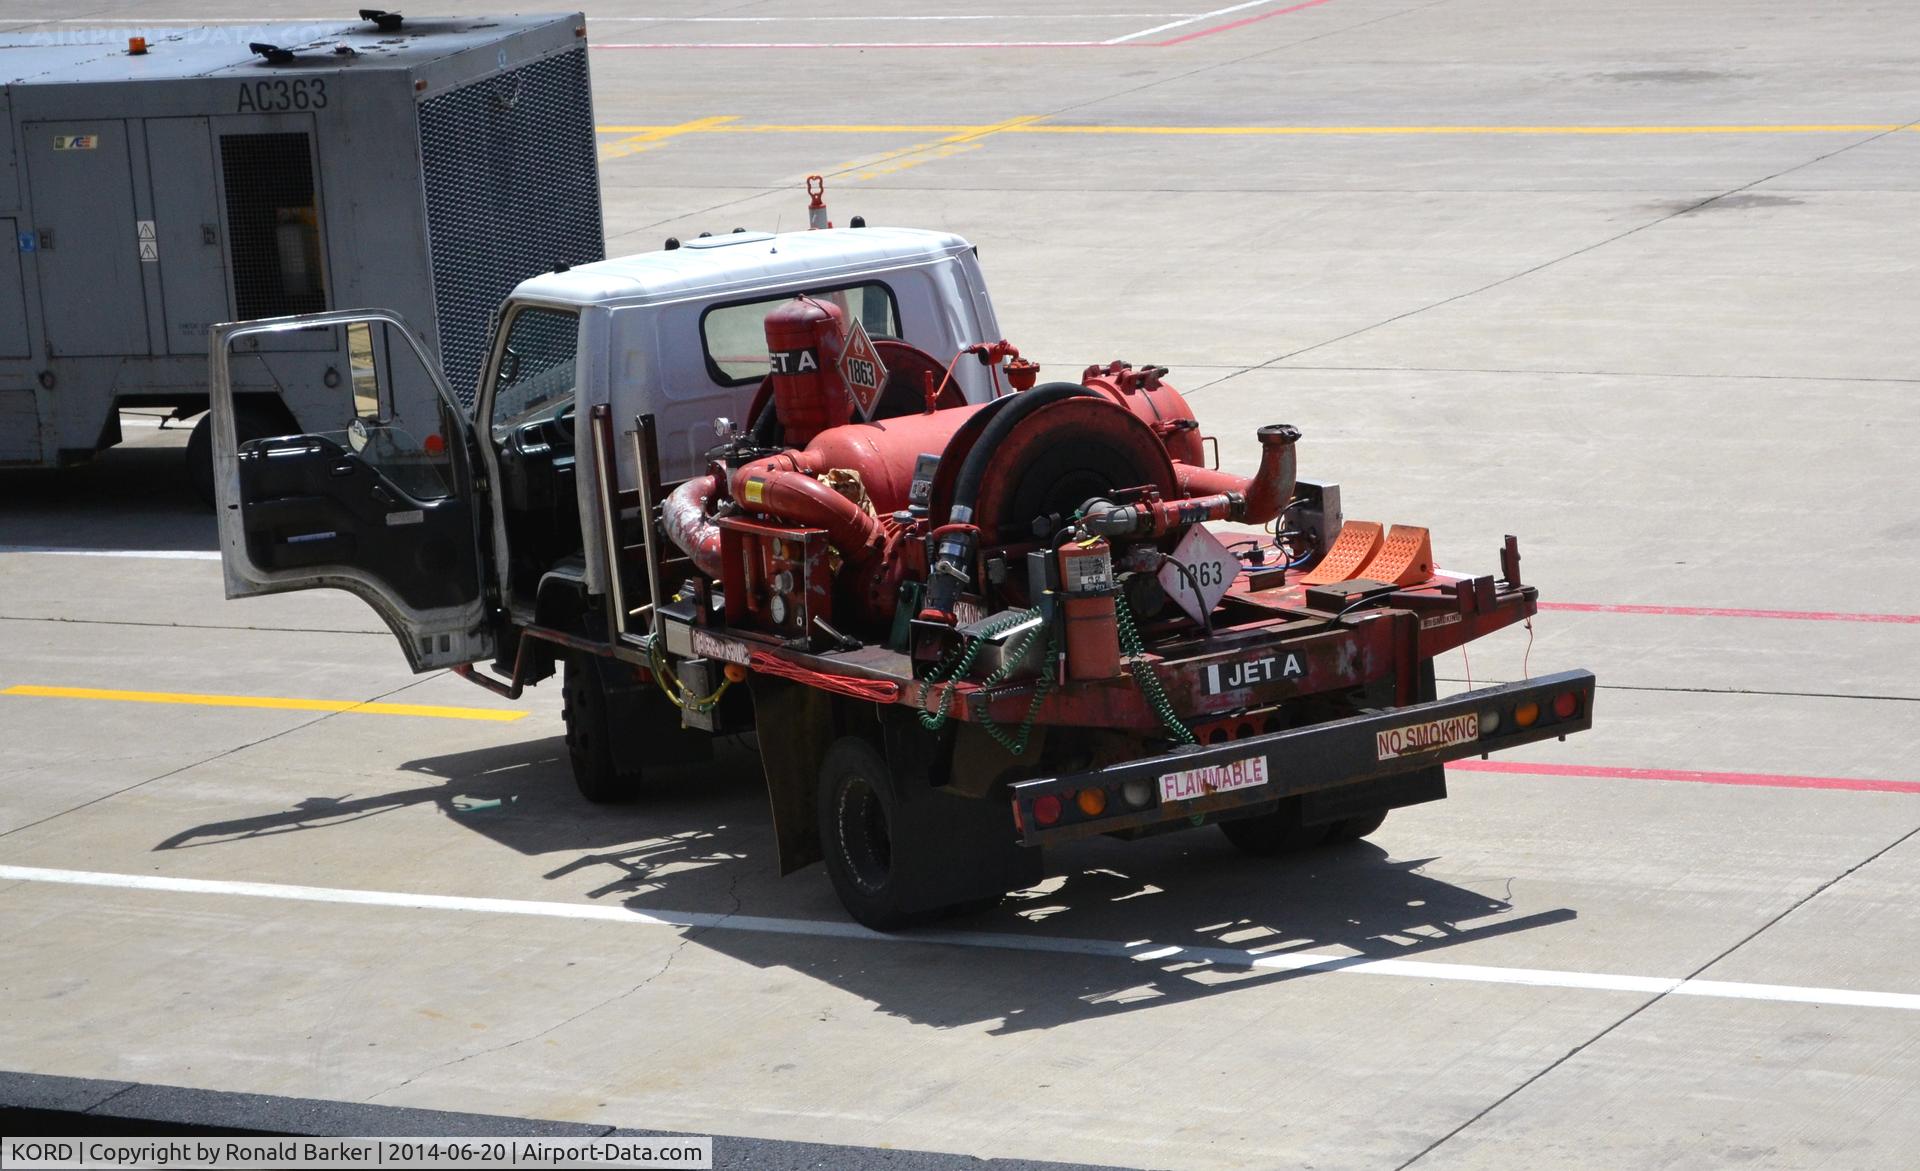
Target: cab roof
{"type": "Point", "coordinates": [743, 261]}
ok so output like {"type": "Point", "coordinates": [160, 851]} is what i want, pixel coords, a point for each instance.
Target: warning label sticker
{"type": "Point", "coordinates": [862, 368]}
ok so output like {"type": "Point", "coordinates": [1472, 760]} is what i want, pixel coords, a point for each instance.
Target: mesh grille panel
{"type": "Point", "coordinates": [513, 189]}
{"type": "Point", "coordinates": [273, 223]}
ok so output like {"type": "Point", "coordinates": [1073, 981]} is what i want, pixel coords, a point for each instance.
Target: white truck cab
{"type": "Point", "coordinates": [444, 524]}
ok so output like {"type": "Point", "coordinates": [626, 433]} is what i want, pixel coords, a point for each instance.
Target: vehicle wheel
{"type": "Point", "coordinates": [589, 744]}
{"type": "Point", "coordinates": [859, 833]}
{"type": "Point", "coordinates": [1352, 829]}
{"type": "Point", "coordinates": [200, 459]}
{"type": "Point", "coordinates": [1269, 834]}
{"type": "Point", "coordinates": [249, 422]}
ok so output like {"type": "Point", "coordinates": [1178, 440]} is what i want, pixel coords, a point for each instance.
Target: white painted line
{"type": "Point", "coordinates": [865, 19]}
{"type": "Point", "coordinates": [848, 44]}
{"type": "Point", "coordinates": [1194, 19]}
{"type": "Point", "coordinates": [888, 18]}
{"type": "Point", "coordinates": [1144, 951]}
{"type": "Point", "coordinates": [157, 554]}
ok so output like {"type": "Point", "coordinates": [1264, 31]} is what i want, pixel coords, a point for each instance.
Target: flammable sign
{"type": "Point", "coordinates": [861, 366]}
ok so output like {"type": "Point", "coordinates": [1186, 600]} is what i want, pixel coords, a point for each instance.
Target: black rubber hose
{"type": "Point", "coordinates": [765, 431]}
{"type": "Point", "coordinates": [966, 486]}
{"type": "Point", "coordinates": [944, 588]}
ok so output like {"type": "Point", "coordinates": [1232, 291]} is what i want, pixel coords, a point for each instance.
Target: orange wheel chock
{"type": "Point", "coordinates": [1356, 545]}
{"type": "Point", "coordinates": [1404, 559]}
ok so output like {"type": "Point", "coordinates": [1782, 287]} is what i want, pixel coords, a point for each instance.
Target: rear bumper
{"type": "Point", "coordinates": [1319, 757]}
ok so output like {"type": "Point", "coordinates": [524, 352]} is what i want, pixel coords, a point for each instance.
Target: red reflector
{"type": "Point", "coordinates": [433, 444]}
{"type": "Point", "coordinates": [1046, 810]}
{"type": "Point", "coordinates": [1565, 704]}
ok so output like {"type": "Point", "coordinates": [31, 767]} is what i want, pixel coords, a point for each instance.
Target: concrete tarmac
{"type": "Point", "coordinates": [1635, 282]}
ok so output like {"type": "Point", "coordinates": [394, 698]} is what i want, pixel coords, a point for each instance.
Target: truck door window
{"type": "Point", "coordinates": [735, 335]}
{"type": "Point", "coordinates": [412, 454]}
{"type": "Point", "coordinates": [536, 373]}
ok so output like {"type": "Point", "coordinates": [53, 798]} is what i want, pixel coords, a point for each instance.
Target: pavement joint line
{"type": "Point", "coordinates": [275, 703]}
{"type": "Point", "coordinates": [1714, 690]}
{"type": "Point", "coordinates": [1568, 373]}
{"type": "Point", "coordinates": [1691, 986]}
{"type": "Point", "coordinates": [1530, 270]}
{"type": "Point", "coordinates": [731, 125]}
{"type": "Point", "coordinates": [191, 625]}
{"type": "Point", "coordinates": [1692, 776]}
{"type": "Point", "coordinates": [1728, 612]}
{"type": "Point", "coordinates": [1141, 951]}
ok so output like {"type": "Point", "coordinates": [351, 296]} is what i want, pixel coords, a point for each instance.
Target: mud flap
{"type": "Point", "coordinates": [795, 725]}
{"type": "Point", "coordinates": [1321, 806]}
{"type": "Point", "coordinates": [955, 849]}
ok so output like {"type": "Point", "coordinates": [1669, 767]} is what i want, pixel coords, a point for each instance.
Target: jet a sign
{"type": "Point", "coordinates": [1224, 677]}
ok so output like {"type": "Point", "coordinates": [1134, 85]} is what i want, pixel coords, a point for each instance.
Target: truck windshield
{"type": "Point", "coordinates": [536, 371]}
{"type": "Point", "coordinates": [735, 335]}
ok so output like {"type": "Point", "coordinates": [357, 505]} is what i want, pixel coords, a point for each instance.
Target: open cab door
{"type": "Point", "coordinates": [381, 505]}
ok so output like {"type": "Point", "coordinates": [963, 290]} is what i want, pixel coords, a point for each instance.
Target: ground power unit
{"type": "Point", "coordinates": [153, 183]}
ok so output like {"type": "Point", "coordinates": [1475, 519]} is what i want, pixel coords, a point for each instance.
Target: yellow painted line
{"type": "Point", "coordinates": [894, 161]}
{"type": "Point", "coordinates": [1034, 126]}
{"type": "Point", "coordinates": [650, 137]}
{"type": "Point", "coordinates": [276, 703]}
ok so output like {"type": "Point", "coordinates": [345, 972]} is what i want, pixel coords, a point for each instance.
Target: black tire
{"type": "Point", "coordinates": [1352, 829]}
{"type": "Point", "coordinates": [200, 459]}
{"type": "Point", "coordinates": [859, 823]}
{"type": "Point", "coordinates": [1269, 835]}
{"type": "Point", "coordinates": [589, 744]}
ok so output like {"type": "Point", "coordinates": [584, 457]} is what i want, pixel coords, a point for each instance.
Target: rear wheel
{"type": "Point", "coordinates": [1266, 835]}
{"type": "Point", "coordinates": [250, 421]}
{"type": "Point", "coordinates": [1352, 829]}
{"type": "Point", "coordinates": [596, 769]}
{"type": "Point", "coordinates": [860, 834]}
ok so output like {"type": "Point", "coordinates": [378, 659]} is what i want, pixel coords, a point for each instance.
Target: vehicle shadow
{"type": "Point", "coordinates": [1115, 927]}
{"type": "Point", "coordinates": [135, 496]}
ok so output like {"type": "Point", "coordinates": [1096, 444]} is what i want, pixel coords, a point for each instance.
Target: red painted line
{"type": "Point", "coordinates": [1729, 612]}
{"type": "Point", "coordinates": [1761, 780]}
{"type": "Point", "coordinates": [864, 45]}
{"type": "Point", "coordinates": [1233, 24]}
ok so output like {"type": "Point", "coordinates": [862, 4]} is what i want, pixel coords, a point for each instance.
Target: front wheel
{"type": "Point", "coordinates": [600, 774]}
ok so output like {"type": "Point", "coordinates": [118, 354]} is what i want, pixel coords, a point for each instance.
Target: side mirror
{"type": "Point", "coordinates": [357, 435]}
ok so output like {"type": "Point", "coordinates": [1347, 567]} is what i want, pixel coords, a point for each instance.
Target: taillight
{"type": "Point", "coordinates": [1489, 722]}
{"type": "Point", "coordinates": [1137, 793]}
{"type": "Point", "coordinates": [1092, 802]}
{"type": "Point", "coordinates": [1046, 810]}
{"type": "Point", "coordinates": [1526, 714]}
{"type": "Point", "coordinates": [1565, 704]}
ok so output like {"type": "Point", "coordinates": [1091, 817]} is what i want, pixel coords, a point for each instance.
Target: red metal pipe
{"type": "Point", "coordinates": [782, 487]}
{"type": "Point", "coordinates": [1263, 494]}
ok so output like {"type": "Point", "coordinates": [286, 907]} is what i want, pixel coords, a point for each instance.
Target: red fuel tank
{"type": "Point", "coordinates": [803, 353]}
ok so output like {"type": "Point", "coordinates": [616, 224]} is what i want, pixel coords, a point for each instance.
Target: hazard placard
{"type": "Point", "coordinates": [861, 366]}
{"type": "Point", "coordinates": [149, 244]}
